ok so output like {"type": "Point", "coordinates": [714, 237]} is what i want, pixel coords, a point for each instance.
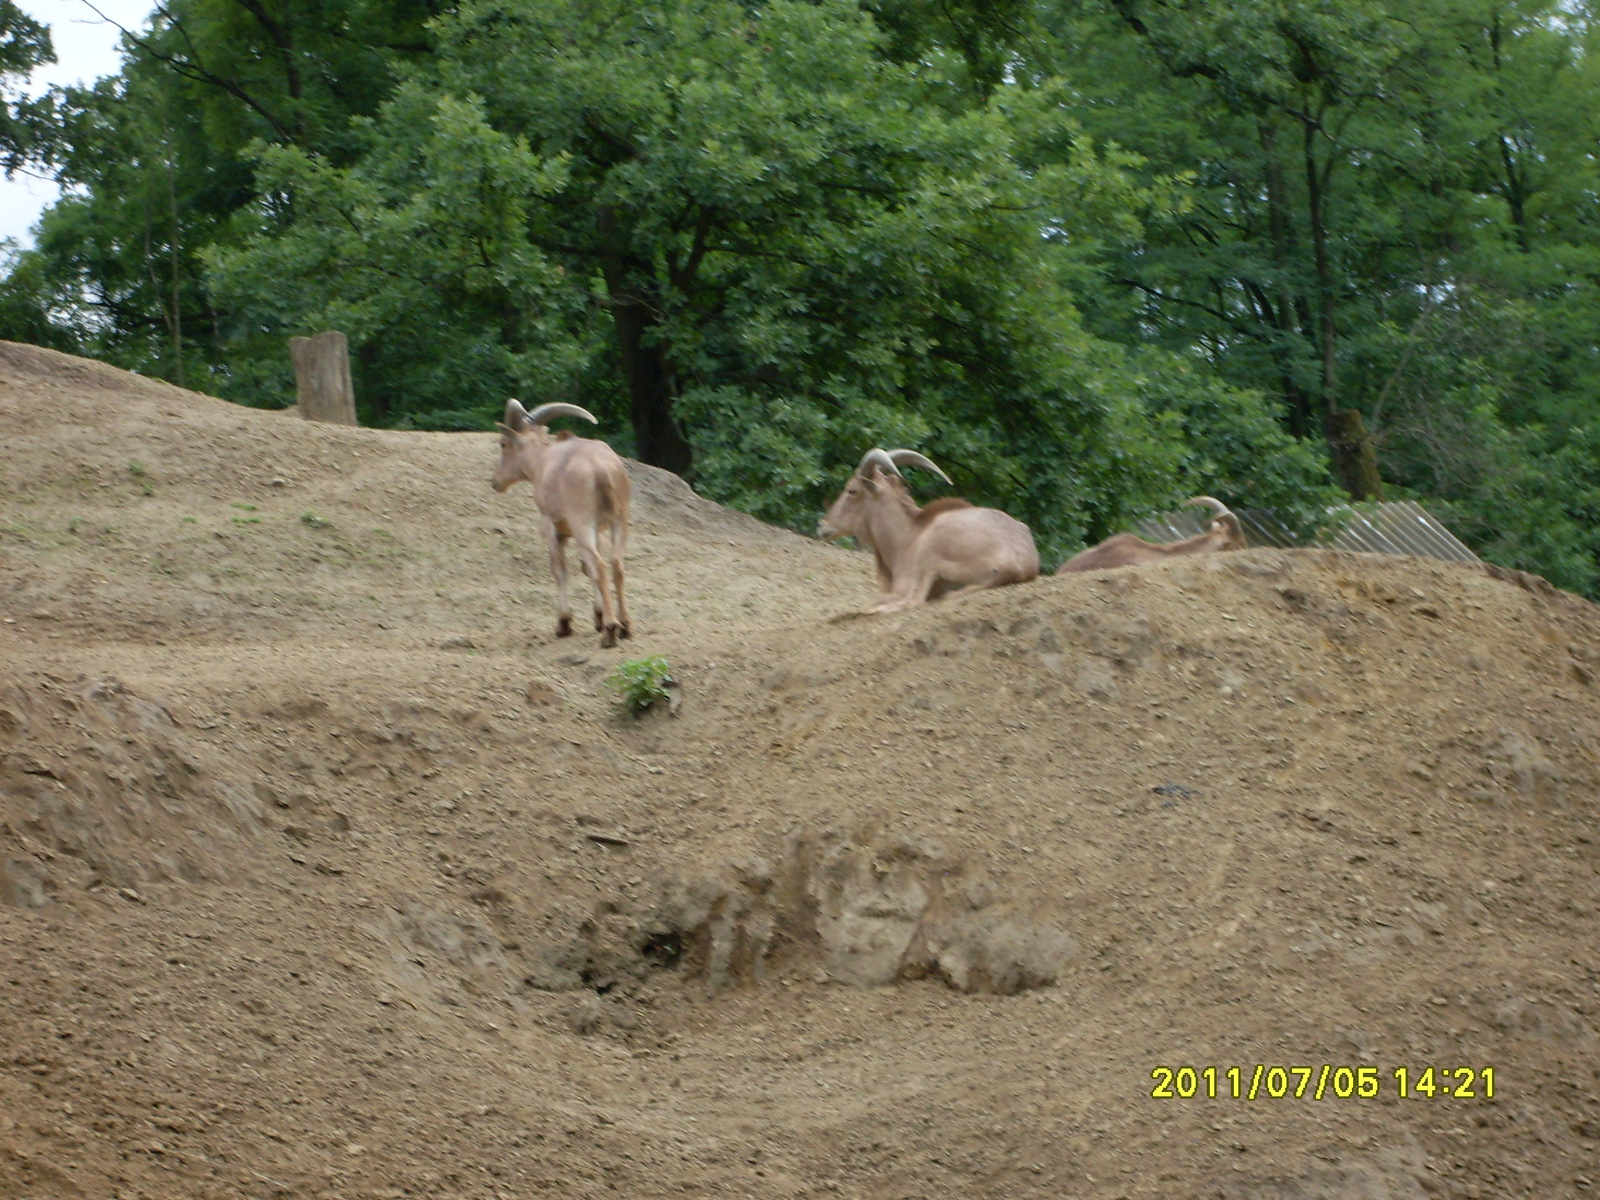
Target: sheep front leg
{"type": "Point", "coordinates": [909, 595]}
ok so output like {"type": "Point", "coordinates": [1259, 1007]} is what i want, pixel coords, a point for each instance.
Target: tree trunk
{"type": "Point", "coordinates": [322, 378]}
{"type": "Point", "coordinates": [1301, 423]}
{"type": "Point", "coordinates": [1515, 194]}
{"type": "Point", "coordinates": [1355, 456]}
{"type": "Point", "coordinates": [177, 295]}
{"type": "Point", "coordinates": [1279, 230]}
{"type": "Point", "coordinates": [1316, 203]}
{"type": "Point", "coordinates": [656, 437]}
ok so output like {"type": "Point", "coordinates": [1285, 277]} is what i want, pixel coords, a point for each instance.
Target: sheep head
{"type": "Point", "coordinates": [521, 432]}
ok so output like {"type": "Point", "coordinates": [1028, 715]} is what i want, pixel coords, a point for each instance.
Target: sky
{"type": "Point", "coordinates": [86, 49]}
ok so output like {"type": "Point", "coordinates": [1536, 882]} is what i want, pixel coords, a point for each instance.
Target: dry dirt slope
{"type": "Point", "coordinates": [295, 902]}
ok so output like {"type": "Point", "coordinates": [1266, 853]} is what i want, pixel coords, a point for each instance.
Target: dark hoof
{"type": "Point", "coordinates": [564, 627]}
{"type": "Point", "coordinates": [599, 620]}
{"type": "Point", "coordinates": [610, 638]}
{"type": "Point", "coordinates": [624, 632]}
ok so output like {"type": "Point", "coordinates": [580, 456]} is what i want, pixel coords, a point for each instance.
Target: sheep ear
{"type": "Point", "coordinates": [502, 427]}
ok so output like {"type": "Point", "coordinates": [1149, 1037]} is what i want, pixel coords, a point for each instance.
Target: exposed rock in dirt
{"type": "Point", "coordinates": [325, 870]}
{"type": "Point", "coordinates": [866, 913]}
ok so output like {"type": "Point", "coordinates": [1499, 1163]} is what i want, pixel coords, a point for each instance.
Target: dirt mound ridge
{"type": "Point", "coordinates": [141, 512]}
{"type": "Point", "coordinates": [295, 900]}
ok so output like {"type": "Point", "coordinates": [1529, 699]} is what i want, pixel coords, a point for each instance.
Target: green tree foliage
{"type": "Point", "coordinates": [27, 140]}
{"type": "Point", "coordinates": [1392, 219]}
{"type": "Point", "coordinates": [154, 160]}
{"type": "Point", "coordinates": [420, 253]}
{"type": "Point", "coordinates": [976, 39]}
{"type": "Point", "coordinates": [1091, 255]}
{"type": "Point", "coordinates": [756, 241]}
{"type": "Point", "coordinates": [24, 127]}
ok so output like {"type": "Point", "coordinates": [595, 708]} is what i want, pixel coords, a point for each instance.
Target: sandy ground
{"type": "Point", "coordinates": [326, 870]}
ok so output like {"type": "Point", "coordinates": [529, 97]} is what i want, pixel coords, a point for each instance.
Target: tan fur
{"type": "Point", "coordinates": [581, 488]}
{"type": "Point", "coordinates": [947, 548]}
{"type": "Point", "coordinates": [943, 504]}
{"type": "Point", "coordinates": [1126, 550]}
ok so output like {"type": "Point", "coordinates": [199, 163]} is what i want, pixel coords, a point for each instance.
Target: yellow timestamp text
{"type": "Point", "coordinates": [1322, 1083]}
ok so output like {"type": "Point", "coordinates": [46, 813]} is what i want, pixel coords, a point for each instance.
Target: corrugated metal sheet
{"type": "Point", "coordinates": [1389, 527]}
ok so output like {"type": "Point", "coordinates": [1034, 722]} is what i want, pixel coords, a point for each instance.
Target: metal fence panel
{"type": "Point", "coordinates": [1389, 527]}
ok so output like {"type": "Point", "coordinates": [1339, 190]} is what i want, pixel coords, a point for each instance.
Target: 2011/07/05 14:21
{"type": "Point", "coordinates": [1343, 1082]}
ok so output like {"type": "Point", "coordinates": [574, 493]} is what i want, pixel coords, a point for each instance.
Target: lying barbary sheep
{"type": "Point", "coordinates": [948, 548]}
{"type": "Point", "coordinates": [1125, 550]}
{"type": "Point", "coordinates": [581, 488]}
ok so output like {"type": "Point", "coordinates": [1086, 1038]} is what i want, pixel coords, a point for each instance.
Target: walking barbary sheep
{"type": "Point", "coordinates": [948, 548]}
{"type": "Point", "coordinates": [581, 488]}
{"type": "Point", "coordinates": [1125, 550]}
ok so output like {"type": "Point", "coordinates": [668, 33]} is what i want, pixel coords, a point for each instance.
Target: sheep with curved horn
{"type": "Point", "coordinates": [946, 548]}
{"type": "Point", "coordinates": [1126, 550]}
{"type": "Point", "coordinates": [581, 488]}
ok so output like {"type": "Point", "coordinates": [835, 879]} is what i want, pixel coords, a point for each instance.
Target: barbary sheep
{"type": "Point", "coordinates": [1126, 550]}
{"type": "Point", "coordinates": [580, 487]}
{"type": "Point", "coordinates": [948, 548]}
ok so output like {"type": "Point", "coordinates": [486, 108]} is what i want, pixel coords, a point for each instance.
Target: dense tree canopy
{"type": "Point", "coordinates": [24, 44]}
{"type": "Point", "coordinates": [26, 137]}
{"type": "Point", "coordinates": [1392, 230]}
{"type": "Point", "coordinates": [1090, 255]}
{"type": "Point", "coordinates": [158, 160]}
{"type": "Point", "coordinates": [744, 234]}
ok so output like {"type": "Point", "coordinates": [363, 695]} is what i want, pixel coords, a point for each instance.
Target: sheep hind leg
{"type": "Point", "coordinates": [558, 568]}
{"type": "Point", "coordinates": [993, 581]}
{"type": "Point", "coordinates": [619, 544]}
{"type": "Point", "coordinates": [624, 630]}
{"type": "Point", "coordinates": [605, 621]}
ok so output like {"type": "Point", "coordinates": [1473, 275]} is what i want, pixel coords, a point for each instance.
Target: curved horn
{"type": "Point", "coordinates": [912, 458]}
{"type": "Point", "coordinates": [1221, 512]}
{"type": "Point", "coordinates": [516, 415]}
{"type": "Point", "coordinates": [1217, 507]}
{"type": "Point", "coordinates": [547, 412]}
{"type": "Point", "coordinates": [881, 458]}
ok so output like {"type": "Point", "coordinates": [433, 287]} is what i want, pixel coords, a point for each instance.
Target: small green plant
{"type": "Point", "coordinates": [141, 476]}
{"type": "Point", "coordinates": [241, 504]}
{"type": "Point", "coordinates": [641, 682]}
{"type": "Point", "coordinates": [315, 520]}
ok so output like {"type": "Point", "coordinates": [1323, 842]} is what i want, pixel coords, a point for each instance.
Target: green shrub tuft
{"type": "Point", "coordinates": [641, 682]}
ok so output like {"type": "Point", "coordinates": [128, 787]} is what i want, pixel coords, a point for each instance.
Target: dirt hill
{"type": "Point", "coordinates": [327, 871]}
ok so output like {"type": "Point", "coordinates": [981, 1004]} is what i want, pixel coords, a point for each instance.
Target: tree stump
{"type": "Point", "coordinates": [322, 378]}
